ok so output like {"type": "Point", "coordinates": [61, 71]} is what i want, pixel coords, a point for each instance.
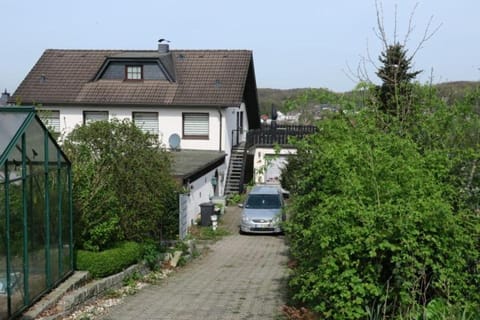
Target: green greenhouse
{"type": "Point", "coordinates": [35, 211]}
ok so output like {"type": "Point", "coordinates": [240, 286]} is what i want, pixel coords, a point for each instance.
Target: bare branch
{"type": "Point", "coordinates": [369, 58]}
{"type": "Point", "coordinates": [427, 34]}
{"type": "Point", "coordinates": [411, 26]}
{"type": "Point", "coordinates": [354, 77]}
{"type": "Point", "coordinates": [395, 25]}
{"type": "Point", "coordinates": [360, 74]}
{"type": "Point", "coordinates": [380, 33]}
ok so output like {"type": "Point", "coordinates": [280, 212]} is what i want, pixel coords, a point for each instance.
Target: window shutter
{"type": "Point", "coordinates": [51, 119]}
{"type": "Point", "coordinates": [92, 116]}
{"type": "Point", "coordinates": [195, 124]}
{"type": "Point", "coordinates": [147, 121]}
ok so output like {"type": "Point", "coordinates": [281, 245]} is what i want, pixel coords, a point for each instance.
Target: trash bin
{"type": "Point", "coordinates": [206, 212]}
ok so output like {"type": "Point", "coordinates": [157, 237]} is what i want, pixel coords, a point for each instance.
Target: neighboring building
{"type": "Point", "coordinates": [270, 149]}
{"type": "Point", "coordinates": [269, 163]}
{"type": "Point", "coordinates": [4, 98]}
{"type": "Point", "coordinates": [193, 100]}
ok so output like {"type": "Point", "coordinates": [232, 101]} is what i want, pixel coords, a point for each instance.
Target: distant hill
{"type": "Point", "coordinates": [454, 90]}
{"type": "Point", "coordinates": [267, 96]}
{"type": "Point", "coordinates": [277, 97]}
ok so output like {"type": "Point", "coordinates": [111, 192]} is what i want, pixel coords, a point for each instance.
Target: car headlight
{"type": "Point", "coordinates": [245, 218]}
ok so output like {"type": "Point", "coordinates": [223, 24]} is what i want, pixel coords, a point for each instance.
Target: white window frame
{"type": "Point", "coordinates": [134, 72]}
{"type": "Point", "coordinates": [195, 125]}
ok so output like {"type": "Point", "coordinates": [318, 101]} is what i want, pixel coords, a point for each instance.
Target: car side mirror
{"type": "Point", "coordinates": [240, 205]}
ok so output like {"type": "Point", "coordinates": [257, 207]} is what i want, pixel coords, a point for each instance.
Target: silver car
{"type": "Point", "coordinates": [263, 210]}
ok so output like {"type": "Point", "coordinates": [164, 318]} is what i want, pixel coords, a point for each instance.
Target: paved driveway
{"type": "Point", "coordinates": [242, 277]}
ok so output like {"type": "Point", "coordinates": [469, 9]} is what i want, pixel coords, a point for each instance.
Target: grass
{"type": "Point", "coordinates": [207, 233]}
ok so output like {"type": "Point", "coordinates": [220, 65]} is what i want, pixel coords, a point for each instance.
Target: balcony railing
{"type": "Point", "coordinates": [277, 134]}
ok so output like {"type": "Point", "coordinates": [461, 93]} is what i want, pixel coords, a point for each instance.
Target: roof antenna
{"type": "Point", "coordinates": [163, 40]}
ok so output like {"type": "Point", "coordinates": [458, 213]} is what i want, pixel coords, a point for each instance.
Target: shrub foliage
{"type": "Point", "coordinates": [110, 261]}
{"type": "Point", "coordinates": [123, 189]}
{"type": "Point", "coordinates": [381, 218]}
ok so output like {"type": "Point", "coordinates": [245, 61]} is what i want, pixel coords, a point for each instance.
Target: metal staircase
{"type": "Point", "coordinates": [236, 169]}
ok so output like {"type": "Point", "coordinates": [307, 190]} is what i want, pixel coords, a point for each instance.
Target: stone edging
{"type": "Point", "coordinates": [76, 290]}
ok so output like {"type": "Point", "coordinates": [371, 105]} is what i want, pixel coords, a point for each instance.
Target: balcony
{"type": "Point", "coordinates": [269, 135]}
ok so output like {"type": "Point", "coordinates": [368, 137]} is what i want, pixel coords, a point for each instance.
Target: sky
{"type": "Point", "coordinates": [295, 44]}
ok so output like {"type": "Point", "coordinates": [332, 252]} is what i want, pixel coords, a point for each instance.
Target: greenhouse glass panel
{"type": "Point", "coordinates": [15, 162]}
{"type": "Point", "coordinates": [37, 234]}
{"type": "Point", "coordinates": [35, 150]}
{"type": "Point", "coordinates": [3, 252]}
{"type": "Point", "coordinates": [16, 256]}
{"type": "Point", "coordinates": [54, 248]}
{"type": "Point", "coordinates": [67, 262]}
{"type": "Point", "coordinates": [10, 123]}
{"type": "Point", "coordinates": [52, 153]}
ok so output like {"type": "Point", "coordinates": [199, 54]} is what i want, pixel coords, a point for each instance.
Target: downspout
{"type": "Point", "coordinates": [220, 130]}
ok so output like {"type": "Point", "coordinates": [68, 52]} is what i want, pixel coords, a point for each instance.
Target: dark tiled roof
{"type": "Point", "coordinates": [202, 77]}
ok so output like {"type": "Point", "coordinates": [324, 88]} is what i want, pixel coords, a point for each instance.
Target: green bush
{"type": "Point", "coordinates": [122, 185]}
{"type": "Point", "coordinates": [152, 253]}
{"type": "Point", "coordinates": [376, 221]}
{"type": "Point", "coordinates": [111, 261]}
{"type": "Point", "coordinates": [236, 198]}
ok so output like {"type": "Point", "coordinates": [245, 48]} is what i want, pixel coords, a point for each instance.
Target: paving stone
{"type": "Point", "coordinates": [242, 277]}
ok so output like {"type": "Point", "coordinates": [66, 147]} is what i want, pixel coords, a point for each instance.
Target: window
{"type": "Point", "coordinates": [92, 116]}
{"type": "Point", "coordinates": [133, 72]}
{"type": "Point", "coordinates": [195, 125]}
{"type": "Point", "coordinates": [146, 121]}
{"type": "Point", "coordinates": [51, 119]}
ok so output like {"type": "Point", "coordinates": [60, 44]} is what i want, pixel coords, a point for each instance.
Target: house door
{"type": "Point", "coordinates": [239, 128]}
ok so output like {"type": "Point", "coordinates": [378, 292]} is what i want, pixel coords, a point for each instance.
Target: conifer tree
{"type": "Point", "coordinates": [396, 75]}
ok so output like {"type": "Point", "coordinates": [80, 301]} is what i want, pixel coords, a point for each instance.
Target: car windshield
{"type": "Point", "coordinates": [263, 201]}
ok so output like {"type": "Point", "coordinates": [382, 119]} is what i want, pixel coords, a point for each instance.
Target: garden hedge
{"type": "Point", "coordinates": [111, 261]}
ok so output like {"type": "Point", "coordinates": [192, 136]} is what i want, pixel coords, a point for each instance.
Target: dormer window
{"type": "Point", "coordinates": [133, 72]}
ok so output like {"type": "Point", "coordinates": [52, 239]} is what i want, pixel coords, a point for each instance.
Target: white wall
{"type": "Point", "coordinates": [231, 124]}
{"type": "Point", "coordinates": [201, 190]}
{"type": "Point", "coordinates": [260, 165]}
{"type": "Point", "coordinates": [170, 122]}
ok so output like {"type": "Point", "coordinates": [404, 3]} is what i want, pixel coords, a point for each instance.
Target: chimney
{"type": "Point", "coordinates": [4, 98]}
{"type": "Point", "coordinates": [163, 46]}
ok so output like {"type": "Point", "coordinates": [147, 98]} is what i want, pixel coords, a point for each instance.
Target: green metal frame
{"type": "Point", "coordinates": [62, 168]}
{"type": "Point", "coordinates": [26, 290]}
{"type": "Point", "coordinates": [7, 235]}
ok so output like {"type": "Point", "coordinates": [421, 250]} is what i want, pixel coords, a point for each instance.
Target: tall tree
{"type": "Point", "coordinates": [394, 95]}
{"type": "Point", "coordinates": [396, 75]}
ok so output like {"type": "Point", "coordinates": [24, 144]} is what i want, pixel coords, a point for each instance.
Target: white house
{"type": "Point", "coordinates": [198, 102]}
